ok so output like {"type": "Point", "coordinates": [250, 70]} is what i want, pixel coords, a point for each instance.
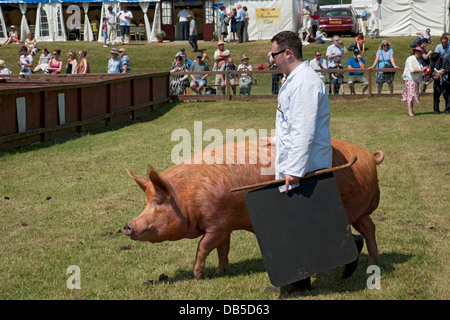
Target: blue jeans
{"type": "Point", "coordinates": [184, 30]}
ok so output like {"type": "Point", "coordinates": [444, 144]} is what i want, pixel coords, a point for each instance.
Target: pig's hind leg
{"type": "Point", "coordinates": [209, 242]}
{"type": "Point", "coordinates": [366, 227]}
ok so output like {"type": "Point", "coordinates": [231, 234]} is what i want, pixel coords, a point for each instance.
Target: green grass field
{"type": "Point", "coordinates": [63, 203]}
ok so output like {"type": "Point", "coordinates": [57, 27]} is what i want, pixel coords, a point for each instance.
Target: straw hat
{"type": "Point", "coordinates": [2, 63]}
{"type": "Point", "coordinates": [114, 50]}
{"type": "Point", "coordinates": [244, 56]}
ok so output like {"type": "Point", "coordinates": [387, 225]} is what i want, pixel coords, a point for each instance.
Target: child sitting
{"type": "Point", "coordinates": [337, 79]}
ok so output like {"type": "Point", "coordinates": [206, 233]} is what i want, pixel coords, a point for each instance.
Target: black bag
{"type": "Point", "coordinates": [387, 64]}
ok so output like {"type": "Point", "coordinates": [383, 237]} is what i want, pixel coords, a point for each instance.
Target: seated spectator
{"type": "Point", "coordinates": [321, 36]}
{"type": "Point", "coordinates": [25, 61]}
{"type": "Point", "coordinates": [360, 42]}
{"type": "Point", "coordinates": [229, 66]}
{"type": "Point", "coordinates": [245, 80]}
{"type": "Point", "coordinates": [183, 54]}
{"type": "Point", "coordinates": [179, 82]}
{"type": "Point", "coordinates": [337, 79]}
{"type": "Point", "coordinates": [421, 35]}
{"type": "Point", "coordinates": [114, 62]}
{"type": "Point", "coordinates": [198, 80]}
{"type": "Point", "coordinates": [72, 63]}
{"type": "Point", "coordinates": [319, 64]}
{"type": "Point", "coordinates": [13, 37]}
{"type": "Point", "coordinates": [357, 62]}
{"type": "Point", "coordinates": [31, 44]}
{"type": "Point", "coordinates": [44, 60]}
{"type": "Point", "coordinates": [55, 65]}
{"type": "Point", "coordinates": [3, 68]}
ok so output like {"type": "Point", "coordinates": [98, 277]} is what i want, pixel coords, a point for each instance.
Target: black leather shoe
{"type": "Point", "coordinates": [351, 267]}
{"type": "Point", "coordinates": [297, 286]}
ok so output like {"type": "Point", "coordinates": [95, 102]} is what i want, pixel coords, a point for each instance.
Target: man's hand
{"type": "Point", "coordinates": [290, 180]}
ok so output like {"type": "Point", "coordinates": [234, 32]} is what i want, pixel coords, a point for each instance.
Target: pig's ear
{"type": "Point", "coordinates": [162, 188]}
{"type": "Point", "coordinates": [142, 182]}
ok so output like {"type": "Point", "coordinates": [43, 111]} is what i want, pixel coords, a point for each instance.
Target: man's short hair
{"type": "Point", "coordinates": [289, 40]}
{"type": "Point", "coordinates": [434, 57]}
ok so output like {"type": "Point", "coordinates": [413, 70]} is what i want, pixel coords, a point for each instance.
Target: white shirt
{"type": "Point", "coordinates": [111, 17]}
{"type": "Point", "coordinates": [182, 15]}
{"type": "Point", "coordinates": [303, 138]}
{"type": "Point", "coordinates": [331, 50]}
{"type": "Point", "coordinates": [124, 21]}
{"type": "Point", "coordinates": [315, 66]}
{"type": "Point", "coordinates": [376, 12]}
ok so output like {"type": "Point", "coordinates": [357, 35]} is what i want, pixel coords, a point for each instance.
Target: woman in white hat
{"type": "Point", "coordinates": [3, 68]}
{"type": "Point", "coordinates": [245, 80]}
{"type": "Point", "coordinates": [13, 37]}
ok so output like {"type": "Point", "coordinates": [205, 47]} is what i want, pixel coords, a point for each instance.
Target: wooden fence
{"type": "Point", "coordinates": [38, 108]}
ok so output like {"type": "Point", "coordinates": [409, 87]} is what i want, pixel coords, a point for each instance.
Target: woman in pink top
{"type": "Point", "coordinates": [55, 65]}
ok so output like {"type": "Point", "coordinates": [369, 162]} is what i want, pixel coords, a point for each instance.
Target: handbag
{"type": "Point", "coordinates": [387, 64]}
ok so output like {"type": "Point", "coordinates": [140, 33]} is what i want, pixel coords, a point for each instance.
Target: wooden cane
{"type": "Point", "coordinates": [308, 175]}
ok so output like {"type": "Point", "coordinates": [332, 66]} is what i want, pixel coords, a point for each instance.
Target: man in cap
{"type": "Point", "coordinates": [124, 61]}
{"type": "Point", "coordinates": [183, 54]}
{"type": "Point", "coordinates": [198, 80]}
{"type": "Point", "coordinates": [221, 56]}
{"type": "Point", "coordinates": [192, 33]}
{"type": "Point", "coordinates": [114, 62]}
{"type": "Point", "coordinates": [357, 62]}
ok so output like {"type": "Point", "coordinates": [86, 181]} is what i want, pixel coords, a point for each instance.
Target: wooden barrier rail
{"type": "Point", "coordinates": [38, 108]}
{"type": "Point", "coordinates": [229, 96]}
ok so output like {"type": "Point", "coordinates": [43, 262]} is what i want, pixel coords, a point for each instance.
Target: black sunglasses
{"type": "Point", "coordinates": [277, 53]}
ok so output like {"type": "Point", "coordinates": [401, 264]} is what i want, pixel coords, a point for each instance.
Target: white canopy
{"type": "Point", "coordinates": [50, 24]}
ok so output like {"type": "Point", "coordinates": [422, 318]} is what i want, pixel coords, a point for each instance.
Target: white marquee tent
{"type": "Point", "coordinates": [406, 17]}
{"type": "Point", "coordinates": [51, 25]}
{"type": "Point", "coordinates": [270, 17]}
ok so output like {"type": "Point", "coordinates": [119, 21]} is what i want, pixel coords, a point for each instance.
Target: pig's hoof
{"type": "Point", "coordinates": [220, 272]}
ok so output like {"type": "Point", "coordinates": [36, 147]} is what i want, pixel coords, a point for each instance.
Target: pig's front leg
{"type": "Point", "coordinates": [210, 241]}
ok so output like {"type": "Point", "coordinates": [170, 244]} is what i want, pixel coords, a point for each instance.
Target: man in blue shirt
{"type": "Point", "coordinates": [124, 61]}
{"type": "Point", "coordinates": [357, 62]}
{"type": "Point", "coordinates": [240, 23]}
{"type": "Point", "coordinates": [443, 48]}
{"type": "Point", "coordinates": [365, 16]}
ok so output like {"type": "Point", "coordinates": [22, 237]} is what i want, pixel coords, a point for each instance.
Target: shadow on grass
{"type": "Point", "coordinates": [152, 115]}
{"type": "Point", "coordinates": [331, 282]}
{"type": "Point", "coordinates": [241, 268]}
{"type": "Point", "coordinates": [323, 283]}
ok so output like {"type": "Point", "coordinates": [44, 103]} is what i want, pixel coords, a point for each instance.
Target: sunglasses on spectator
{"type": "Point", "coordinates": [318, 55]}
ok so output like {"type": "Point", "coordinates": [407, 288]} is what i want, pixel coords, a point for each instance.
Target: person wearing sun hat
{"type": "Point", "coordinates": [411, 79]}
{"type": "Point", "coordinates": [13, 36]}
{"type": "Point", "coordinates": [3, 68]}
{"type": "Point", "coordinates": [245, 80]}
{"type": "Point", "coordinates": [221, 56]}
{"type": "Point", "coordinates": [114, 62]}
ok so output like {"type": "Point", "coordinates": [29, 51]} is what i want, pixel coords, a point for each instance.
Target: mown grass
{"type": "Point", "coordinates": [63, 203]}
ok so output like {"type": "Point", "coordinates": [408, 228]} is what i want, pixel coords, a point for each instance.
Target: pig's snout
{"type": "Point", "coordinates": [127, 229]}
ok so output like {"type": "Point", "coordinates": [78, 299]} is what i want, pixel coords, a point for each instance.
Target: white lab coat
{"type": "Point", "coordinates": [303, 137]}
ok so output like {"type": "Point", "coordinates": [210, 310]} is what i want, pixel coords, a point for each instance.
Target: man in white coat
{"type": "Point", "coordinates": [303, 139]}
